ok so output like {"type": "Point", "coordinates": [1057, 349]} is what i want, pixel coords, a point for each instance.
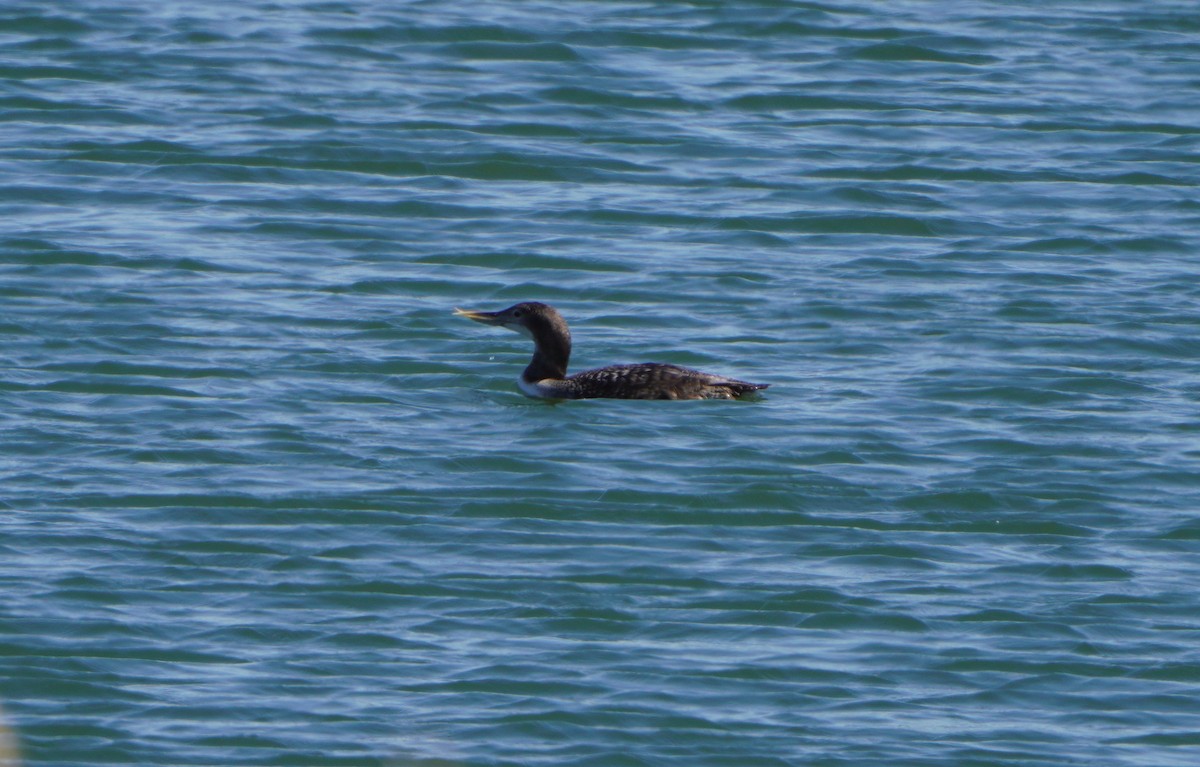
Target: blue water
{"type": "Point", "coordinates": [265, 501]}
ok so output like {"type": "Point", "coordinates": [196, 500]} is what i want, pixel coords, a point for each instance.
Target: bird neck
{"type": "Point", "coordinates": [552, 351]}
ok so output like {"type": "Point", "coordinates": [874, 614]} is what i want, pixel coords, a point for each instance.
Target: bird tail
{"type": "Point", "coordinates": [742, 388]}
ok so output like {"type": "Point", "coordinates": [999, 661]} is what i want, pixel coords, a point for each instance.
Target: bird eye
{"type": "Point", "coordinates": [517, 313]}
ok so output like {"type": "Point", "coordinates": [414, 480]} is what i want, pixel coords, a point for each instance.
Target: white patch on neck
{"type": "Point", "coordinates": [537, 389]}
{"type": "Point", "coordinates": [520, 329]}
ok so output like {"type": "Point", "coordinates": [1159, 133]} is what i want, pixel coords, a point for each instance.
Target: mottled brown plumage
{"type": "Point", "coordinates": [546, 375]}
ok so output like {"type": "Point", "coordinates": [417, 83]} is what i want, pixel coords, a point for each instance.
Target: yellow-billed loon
{"type": "Point", "coordinates": [546, 376]}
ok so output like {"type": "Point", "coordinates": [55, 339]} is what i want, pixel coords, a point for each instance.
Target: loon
{"type": "Point", "coordinates": [546, 376]}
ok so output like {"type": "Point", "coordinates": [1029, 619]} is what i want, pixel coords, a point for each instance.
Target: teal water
{"type": "Point", "coordinates": [265, 501]}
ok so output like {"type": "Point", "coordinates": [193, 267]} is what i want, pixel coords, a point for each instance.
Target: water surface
{"type": "Point", "coordinates": [265, 501]}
